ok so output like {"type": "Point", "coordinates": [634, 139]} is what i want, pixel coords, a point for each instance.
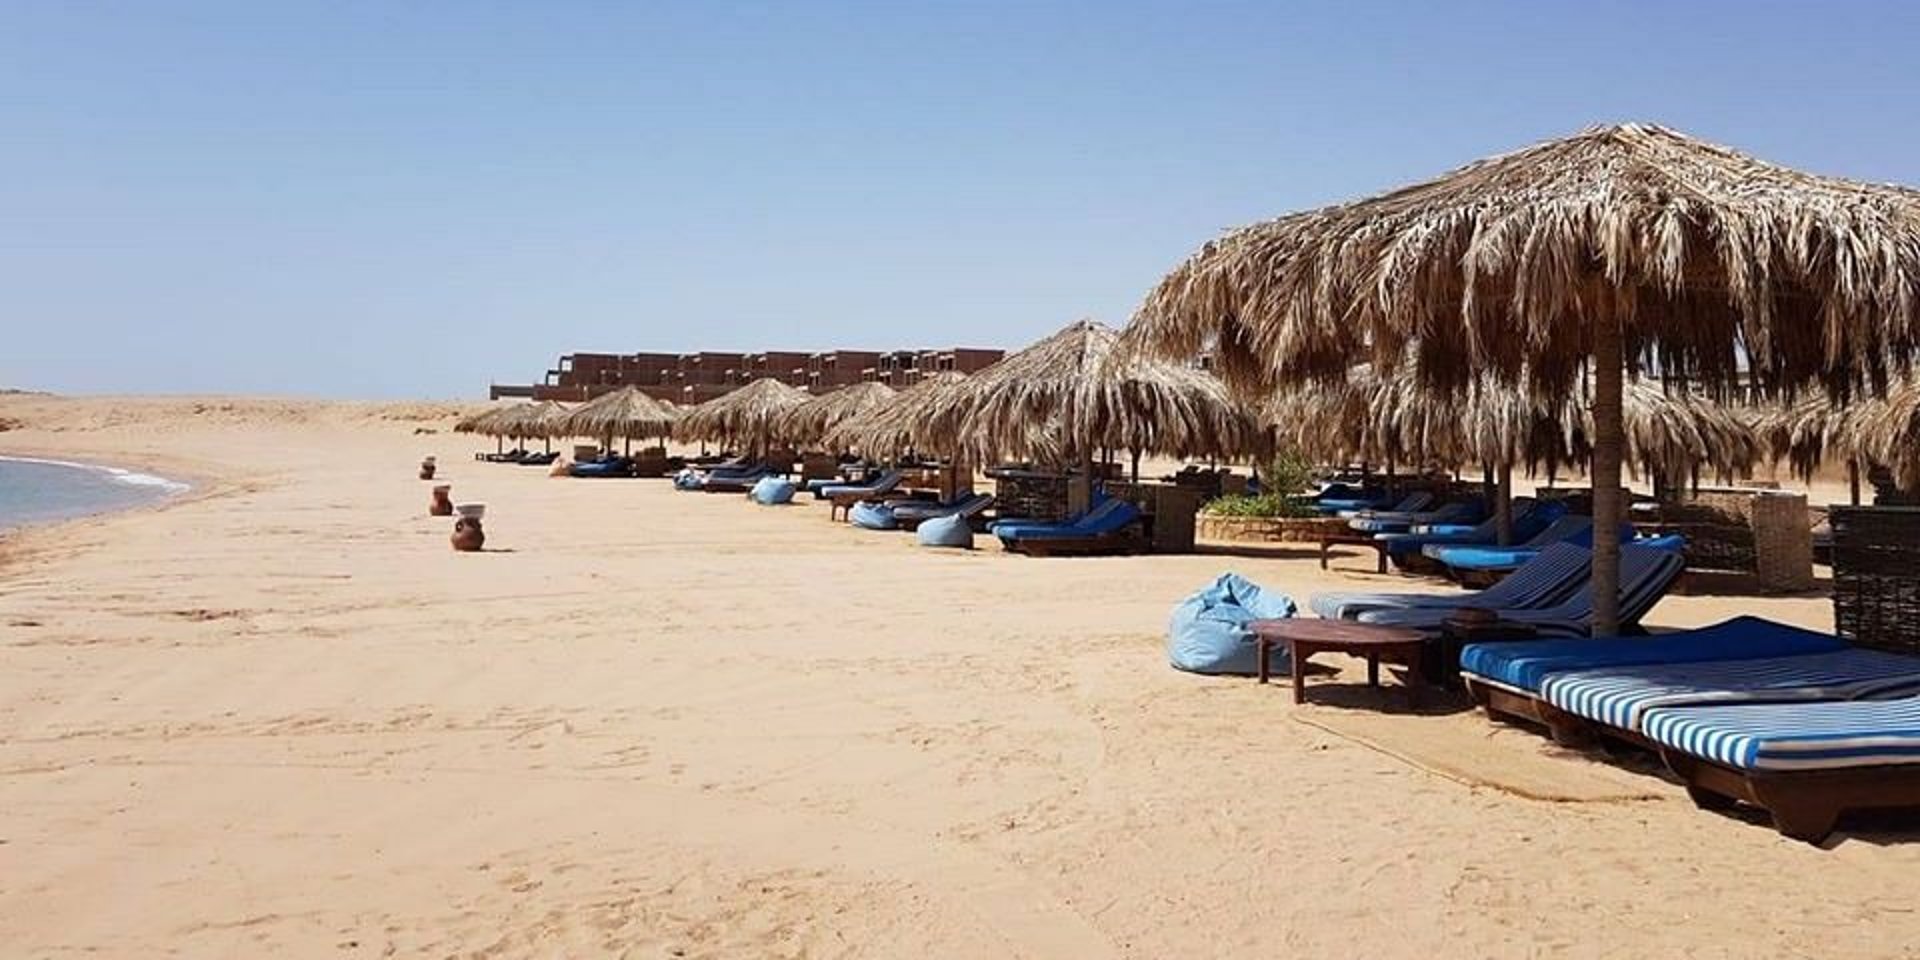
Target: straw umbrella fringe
{"type": "Point", "coordinates": [749, 416]}
{"type": "Point", "coordinates": [1874, 431]}
{"type": "Point", "coordinates": [1619, 249]}
{"type": "Point", "coordinates": [809, 422]}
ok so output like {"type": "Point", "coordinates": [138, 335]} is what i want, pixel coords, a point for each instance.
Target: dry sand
{"type": "Point", "coordinates": [281, 718]}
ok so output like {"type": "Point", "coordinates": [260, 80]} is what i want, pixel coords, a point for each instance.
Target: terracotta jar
{"type": "Point", "coordinates": [442, 504]}
{"type": "Point", "coordinates": [427, 467]}
{"type": "Point", "coordinates": [467, 535]}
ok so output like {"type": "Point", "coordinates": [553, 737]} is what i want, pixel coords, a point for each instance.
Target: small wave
{"type": "Point", "coordinates": [132, 478]}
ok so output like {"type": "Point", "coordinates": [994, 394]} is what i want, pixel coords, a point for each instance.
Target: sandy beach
{"type": "Point", "coordinates": [279, 717]}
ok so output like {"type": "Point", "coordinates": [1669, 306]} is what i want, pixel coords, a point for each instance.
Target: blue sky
{"type": "Point", "coordinates": [412, 199]}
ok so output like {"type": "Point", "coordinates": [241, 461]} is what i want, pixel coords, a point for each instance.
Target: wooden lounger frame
{"type": "Point", "coordinates": [1124, 541]}
{"type": "Point", "coordinates": [840, 505]}
{"type": "Point", "coordinates": [1804, 804]}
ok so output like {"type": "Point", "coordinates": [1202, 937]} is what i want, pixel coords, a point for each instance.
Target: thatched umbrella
{"type": "Point", "coordinates": [481, 422]}
{"type": "Point", "coordinates": [748, 416]}
{"type": "Point", "coordinates": [810, 421]}
{"type": "Point", "coordinates": [1619, 249]}
{"type": "Point", "coordinates": [1873, 431]}
{"type": "Point", "coordinates": [626, 413]}
{"type": "Point", "coordinates": [1069, 396]}
{"type": "Point", "coordinates": [906, 423]}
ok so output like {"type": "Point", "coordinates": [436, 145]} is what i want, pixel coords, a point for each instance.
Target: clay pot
{"type": "Point", "coordinates": [467, 535]}
{"type": "Point", "coordinates": [441, 505]}
{"type": "Point", "coordinates": [427, 467]}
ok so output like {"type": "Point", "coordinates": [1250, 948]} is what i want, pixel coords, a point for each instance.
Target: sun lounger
{"type": "Point", "coordinates": [736, 479]}
{"type": "Point", "coordinates": [1804, 763]}
{"type": "Point", "coordinates": [844, 496]}
{"type": "Point", "coordinates": [1645, 577]}
{"type": "Point", "coordinates": [1107, 528]}
{"type": "Point", "coordinates": [1621, 697]}
{"type": "Point", "coordinates": [1407, 504]}
{"type": "Point", "coordinates": [1529, 518]}
{"type": "Point", "coordinates": [1564, 529]}
{"type": "Point", "coordinates": [1390, 522]}
{"type": "Point", "coordinates": [911, 514]}
{"type": "Point", "coordinates": [1507, 678]}
{"type": "Point", "coordinates": [1543, 581]}
{"type": "Point", "coordinates": [610, 467]}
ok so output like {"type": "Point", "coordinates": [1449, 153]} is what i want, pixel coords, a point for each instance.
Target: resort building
{"type": "Point", "coordinates": [698, 377]}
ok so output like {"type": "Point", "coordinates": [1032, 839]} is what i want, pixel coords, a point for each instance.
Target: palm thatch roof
{"type": "Point", "coordinates": [1882, 431]}
{"type": "Point", "coordinates": [749, 417]}
{"type": "Point", "coordinates": [1707, 258]}
{"type": "Point", "coordinates": [1070, 394]}
{"type": "Point", "coordinates": [1395, 419]}
{"type": "Point", "coordinates": [520, 421]}
{"type": "Point", "coordinates": [810, 421]}
{"type": "Point", "coordinates": [628, 412]}
{"type": "Point", "coordinates": [907, 422]}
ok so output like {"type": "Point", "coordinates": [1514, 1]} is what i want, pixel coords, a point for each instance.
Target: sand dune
{"type": "Point", "coordinates": [281, 718]}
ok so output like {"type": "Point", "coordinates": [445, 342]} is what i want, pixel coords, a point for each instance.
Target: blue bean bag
{"type": "Point", "coordinates": [688, 479]}
{"type": "Point", "coordinates": [772, 491]}
{"type": "Point", "coordinates": [1208, 632]}
{"type": "Point", "coordinates": [948, 531]}
{"type": "Point", "coordinates": [872, 515]}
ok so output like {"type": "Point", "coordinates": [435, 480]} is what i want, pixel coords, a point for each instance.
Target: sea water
{"type": "Point", "coordinates": [41, 491]}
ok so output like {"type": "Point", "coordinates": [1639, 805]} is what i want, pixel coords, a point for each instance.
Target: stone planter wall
{"type": "Point", "coordinates": [1268, 529]}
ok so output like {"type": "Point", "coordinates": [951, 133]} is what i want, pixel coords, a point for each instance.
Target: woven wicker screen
{"type": "Point", "coordinates": [1876, 576]}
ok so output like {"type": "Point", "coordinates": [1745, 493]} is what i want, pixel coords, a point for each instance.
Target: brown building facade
{"type": "Point", "coordinates": [698, 377]}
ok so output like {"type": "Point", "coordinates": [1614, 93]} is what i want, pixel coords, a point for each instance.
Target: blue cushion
{"type": "Point", "coordinates": [1622, 696]}
{"type": "Point", "coordinates": [1794, 736]}
{"type": "Point", "coordinates": [1208, 632]}
{"type": "Point", "coordinates": [872, 515]}
{"type": "Point", "coordinates": [773, 491]}
{"type": "Point", "coordinates": [1524, 665]}
{"type": "Point", "coordinates": [688, 479]}
{"type": "Point", "coordinates": [947, 531]}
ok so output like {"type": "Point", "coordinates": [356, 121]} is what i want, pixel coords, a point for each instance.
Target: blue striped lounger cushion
{"type": "Point", "coordinates": [1523, 665]}
{"type": "Point", "coordinates": [1622, 696]}
{"type": "Point", "coordinates": [1794, 736]}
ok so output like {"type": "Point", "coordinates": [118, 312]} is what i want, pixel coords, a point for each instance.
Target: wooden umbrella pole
{"type": "Point", "coordinates": [1136, 465]}
{"type": "Point", "coordinates": [1853, 482]}
{"type": "Point", "coordinates": [1609, 372]}
{"type": "Point", "coordinates": [1503, 505]}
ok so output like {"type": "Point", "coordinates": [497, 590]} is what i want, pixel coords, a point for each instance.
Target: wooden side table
{"type": "Point", "coordinates": [1305, 637]}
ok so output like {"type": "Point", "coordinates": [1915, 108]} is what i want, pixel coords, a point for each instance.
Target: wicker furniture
{"type": "Point", "coordinates": [1876, 576]}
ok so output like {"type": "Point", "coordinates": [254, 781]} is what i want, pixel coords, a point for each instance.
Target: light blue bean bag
{"type": "Point", "coordinates": [1208, 632]}
{"type": "Point", "coordinates": [772, 491]}
{"type": "Point", "coordinates": [688, 479]}
{"type": "Point", "coordinates": [948, 531]}
{"type": "Point", "coordinates": [872, 515]}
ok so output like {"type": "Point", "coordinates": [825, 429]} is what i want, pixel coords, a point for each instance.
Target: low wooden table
{"type": "Point", "coordinates": [1352, 538]}
{"type": "Point", "coordinates": [1305, 637]}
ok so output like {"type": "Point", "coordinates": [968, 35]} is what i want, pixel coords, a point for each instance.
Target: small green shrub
{"type": "Point", "coordinates": [1267, 505]}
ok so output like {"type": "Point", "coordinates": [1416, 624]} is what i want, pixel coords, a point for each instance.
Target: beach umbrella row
{"type": "Point", "coordinates": [1619, 251]}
